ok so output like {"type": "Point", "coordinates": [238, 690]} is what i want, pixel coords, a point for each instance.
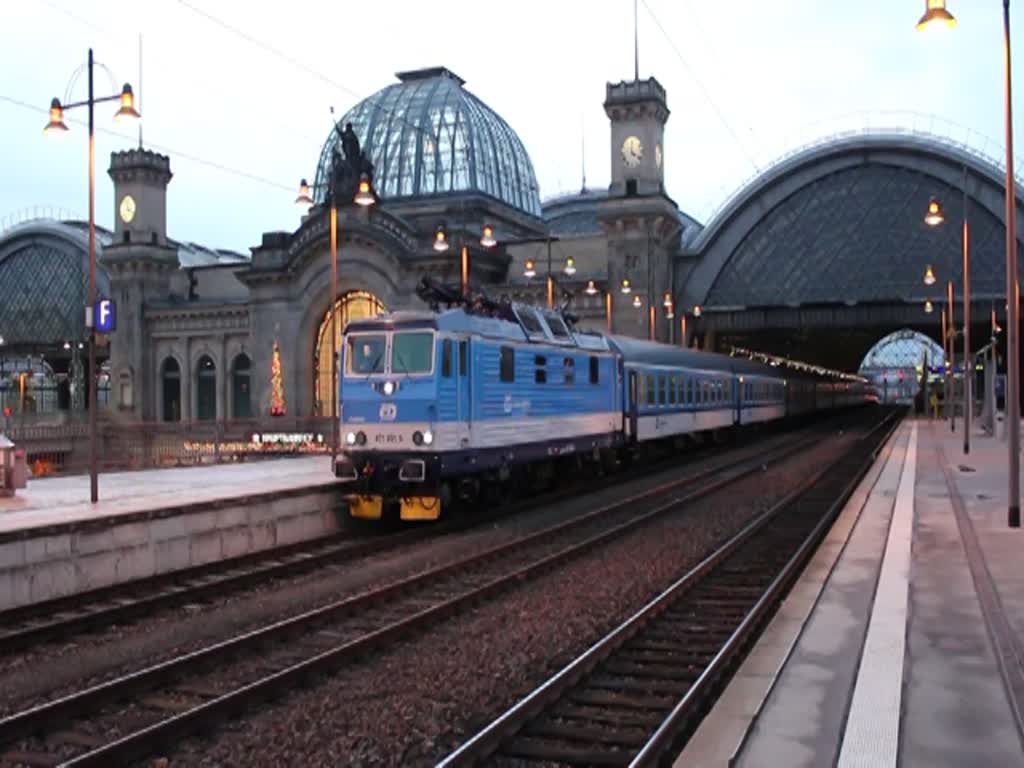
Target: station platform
{"type": "Point", "coordinates": [54, 542]}
{"type": "Point", "coordinates": [902, 643]}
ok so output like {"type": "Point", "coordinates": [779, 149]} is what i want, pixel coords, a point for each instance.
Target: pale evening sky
{"type": "Point", "coordinates": [746, 80]}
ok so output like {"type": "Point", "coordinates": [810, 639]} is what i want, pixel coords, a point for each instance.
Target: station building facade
{"type": "Point", "coordinates": [830, 239]}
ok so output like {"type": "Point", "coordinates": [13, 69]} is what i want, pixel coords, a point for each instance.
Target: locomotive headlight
{"type": "Point", "coordinates": [361, 438]}
{"type": "Point", "coordinates": [389, 387]}
{"type": "Point", "coordinates": [350, 438]}
{"type": "Point", "coordinates": [428, 438]}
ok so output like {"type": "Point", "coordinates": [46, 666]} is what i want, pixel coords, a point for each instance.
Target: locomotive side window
{"type": "Point", "coordinates": [595, 371]}
{"type": "Point", "coordinates": [463, 357]}
{"type": "Point", "coordinates": [508, 365]}
{"type": "Point", "coordinates": [569, 369]}
{"type": "Point", "coordinates": [446, 358]}
{"type": "Point", "coordinates": [540, 375]}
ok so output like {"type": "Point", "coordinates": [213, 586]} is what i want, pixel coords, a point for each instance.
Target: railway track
{"type": "Point", "coordinates": [635, 696]}
{"type": "Point", "coordinates": [31, 625]}
{"type": "Point", "coordinates": [139, 713]}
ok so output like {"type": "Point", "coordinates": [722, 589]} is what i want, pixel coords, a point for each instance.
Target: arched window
{"type": "Point", "coordinates": [170, 376]}
{"type": "Point", "coordinates": [206, 389]}
{"type": "Point", "coordinates": [352, 306]}
{"type": "Point", "coordinates": [241, 394]}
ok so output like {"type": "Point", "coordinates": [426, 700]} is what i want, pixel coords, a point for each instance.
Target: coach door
{"type": "Point", "coordinates": [632, 405]}
{"type": "Point", "coordinates": [464, 388]}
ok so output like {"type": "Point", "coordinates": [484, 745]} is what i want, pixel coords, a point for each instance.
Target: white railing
{"type": "Point", "coordinates": [896, 123]}
{"type": "Point", "coordinates": [36, 213]}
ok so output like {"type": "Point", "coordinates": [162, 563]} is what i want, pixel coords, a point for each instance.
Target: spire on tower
{"type": "Point", "coordinates": [636, 44]}
{"type": "Point", "coordinates": [583, 153]}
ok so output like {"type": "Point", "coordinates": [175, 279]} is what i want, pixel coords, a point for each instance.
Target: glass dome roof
{"type": "Point", "coordinates": [427, 135]}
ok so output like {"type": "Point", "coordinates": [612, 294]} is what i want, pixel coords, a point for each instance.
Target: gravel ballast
{"type": "Point", "coordinates": [414, 703]}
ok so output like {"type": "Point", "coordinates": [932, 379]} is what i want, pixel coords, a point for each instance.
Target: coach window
{"type": "Point", "coordinates": [446, 358]}
{"type": "Point", "coordinates": [463, 357]}
{"type": "Point", "coordinates": [508, 364]}
{"type": "Point", "coordinates": [672, 384]}
{"type": "Point", "coordinates": [661, 389]}
{"type": "Point", "coordinates": [652, 382]}
{"type": "Point", "coordinates": [540, 374]}
{"type": "Point", "coordinates": [595, 371]}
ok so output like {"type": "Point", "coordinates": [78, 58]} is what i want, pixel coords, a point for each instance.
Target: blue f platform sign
{"type": "Point", "coordinates": [105, 313]}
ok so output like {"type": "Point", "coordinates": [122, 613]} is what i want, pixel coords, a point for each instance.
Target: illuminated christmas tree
{"type": "Point", "coordinates": [277, 403]}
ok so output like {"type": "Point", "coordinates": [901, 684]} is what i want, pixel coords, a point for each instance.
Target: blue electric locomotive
{"type": "Point", "coordinates": [437, 406]}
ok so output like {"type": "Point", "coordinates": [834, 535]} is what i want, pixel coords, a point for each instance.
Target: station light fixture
{"type": "Point", "coordinates": [364, 194]}
{"type": "Point", "coordinates": [935, 16]}
{"type": "Point", "coordinates": [440, 239]}
{"type": "Point", "coordinates": [697, 310]}
{"type": "Point", "coordinates": [570, 266]}
{"type": "Point", "coordinates": [929, 276]}
{"type": "Point", "coordinates": [56, 126]}
{"type": "Point", "coordinates": [591, 289]}
{"type": "Point", "coordinates": [928, 308]}
{"type": "Point", "coordinates": [626, 287]}
{"type": "Point", "coordinates": [934, 215]}
{"type": "Point", "coordinates": [304, 197]}
{"type": "Point", "coordinates": [637, 301]}
{"type": "Point", "coordinates": [667, 301]}
{"type": "Point", "coordinates": [487, 239]}
{"type": "Point", "coordinates": [531, 269]}
{"type": "Point", "coordinates": [127, 110]}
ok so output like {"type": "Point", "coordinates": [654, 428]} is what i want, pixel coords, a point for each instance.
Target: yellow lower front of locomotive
{"type": "Point", "coordinates": [409, 507]}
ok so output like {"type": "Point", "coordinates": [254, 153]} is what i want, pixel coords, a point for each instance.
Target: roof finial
{"type": "Point", "coordinates": [139, 105]}
{"type": "Point", "coordinates": [583, 153]}
{"type": "Point", "coordinates": [636, 45]}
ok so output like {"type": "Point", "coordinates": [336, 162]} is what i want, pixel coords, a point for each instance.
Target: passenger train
{"type": "Point", "coordinates": [438, 407]}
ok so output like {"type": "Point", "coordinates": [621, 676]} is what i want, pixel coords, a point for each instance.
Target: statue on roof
{"type": "Point", "coordinates": [347, 164]}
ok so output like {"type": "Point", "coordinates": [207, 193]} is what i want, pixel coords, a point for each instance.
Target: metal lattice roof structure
{"type": "Point", "coordinates": [44, 270]}
{"type": "Point", "coordinates": [858, 235]}
{"type": "Point", "coordinates": [427, 135]}
{"type": "Point", "coordinates": [842, 223]}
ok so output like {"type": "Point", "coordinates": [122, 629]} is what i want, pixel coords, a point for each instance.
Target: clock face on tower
{"type": "Point", "coordinates": [127, 209]}
{"type": "Point", "coordinates": [632, 151]}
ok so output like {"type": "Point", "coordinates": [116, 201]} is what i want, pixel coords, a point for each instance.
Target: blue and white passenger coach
{"type": "Point", "coordinates": [435, 404]}
{"type": "Point", "coordinates": [438, 407]}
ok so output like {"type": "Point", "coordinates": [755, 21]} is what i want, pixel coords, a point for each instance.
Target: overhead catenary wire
{"type": "Point", "coordinates": [701, 86]}
{"type": "Point", "coordinates": [393, 114]}
{"type": "Point", "coordinates": [160, 147]}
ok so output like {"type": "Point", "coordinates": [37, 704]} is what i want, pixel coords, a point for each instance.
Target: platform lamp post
{"type": "Point", "coordinates": [933, 217]}
{"type": "Point", "coordinates": [530, 267]}
{"type": "Point", "coordinates": [363, 197]}
{"type": "Point", "coordinates": [936, 15]}
{"type": "Point", "coordinates": [57, 127]}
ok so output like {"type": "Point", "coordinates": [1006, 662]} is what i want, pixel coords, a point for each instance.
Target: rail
{"type": "Point", "coordinates": [546, 697]}
{"type": "Point", "coordinates": [358, 624]}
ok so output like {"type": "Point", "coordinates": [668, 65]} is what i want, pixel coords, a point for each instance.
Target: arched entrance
{"type": "Point", "coordinates": [354, 305]}
{"type": "Point", "coordinates": [897, 362]}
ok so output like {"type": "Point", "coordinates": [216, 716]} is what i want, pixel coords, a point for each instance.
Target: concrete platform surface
{"type": "Point", "coordinates": [52, 501]}
{"type": "Point", "coordinates": [901, 644]}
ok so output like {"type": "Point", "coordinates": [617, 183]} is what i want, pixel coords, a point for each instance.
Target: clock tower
{"type": "Point", "coordinates": [640, 221]}
{"type": "Point", "coordinates": [140, 263]}
{"type": "Point", "coordinates": [638, 111]}
{"type": "Point", "coordinates": [140, 196]}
